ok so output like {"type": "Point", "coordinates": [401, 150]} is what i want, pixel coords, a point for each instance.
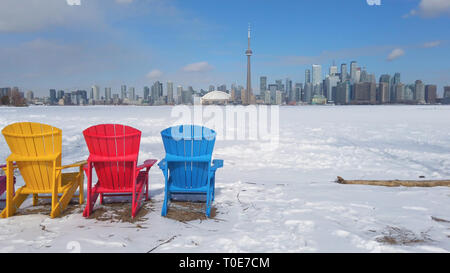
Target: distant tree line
{"type": "Point", "coordinates": [14, 100]}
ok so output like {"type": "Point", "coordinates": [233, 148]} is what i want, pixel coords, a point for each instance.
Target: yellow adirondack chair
{"type": "Point", "coordinates": [36, 152]}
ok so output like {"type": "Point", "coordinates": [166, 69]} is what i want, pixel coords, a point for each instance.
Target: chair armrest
{"type": "Point", "coordinates": [217, 163]}
{"type": "Point", "coordinates": [3, 166]}
{"type": "Point", "coordinates": [163, 164]}
{"type": "Point", "coordinates": [147, 164]}
{"type": "Point", "coordinates": [76, 164]}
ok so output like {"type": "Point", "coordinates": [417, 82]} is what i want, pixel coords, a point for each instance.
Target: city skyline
{"type": "Point", "coordinates": [112, 43]}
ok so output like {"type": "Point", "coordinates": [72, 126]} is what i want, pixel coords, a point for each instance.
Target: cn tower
{"type": "Point", "coordinates": [248, 92]}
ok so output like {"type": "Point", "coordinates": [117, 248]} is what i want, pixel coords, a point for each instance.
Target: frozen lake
{"type": "Point", "coordinates": [269, 198]}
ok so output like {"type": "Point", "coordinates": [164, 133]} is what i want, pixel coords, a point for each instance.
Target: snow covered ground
{"type": "Point", "coordinates": [268, 200]}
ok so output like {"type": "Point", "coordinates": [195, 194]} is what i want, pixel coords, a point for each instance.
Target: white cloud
{"type": "Point", "coordinates": [432, 44]}
{"type": "Point", "coordinates": [430, 8]}
{"type": "Point", "coordinates": [198, 67]}
{"type": "Point", "coordinates": [154, 74]}
{"type": "Point", "coordinates": [395, 54]}
{"type": "Point", "coordinates": [32, 15]}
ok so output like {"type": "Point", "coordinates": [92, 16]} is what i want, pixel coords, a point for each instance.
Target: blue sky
{"type": "Point", "coordinates": [49, 44]}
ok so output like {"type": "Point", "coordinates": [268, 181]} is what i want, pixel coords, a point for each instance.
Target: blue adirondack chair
{"type": "Point", "coordinates": [187, 166]}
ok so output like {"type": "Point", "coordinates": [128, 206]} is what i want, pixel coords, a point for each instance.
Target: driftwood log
{"type": "Point", "coordinates": [396, 183]}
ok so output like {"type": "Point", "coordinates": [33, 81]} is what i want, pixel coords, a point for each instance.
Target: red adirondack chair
{"type": "Point", "coordinates": [114, 151]}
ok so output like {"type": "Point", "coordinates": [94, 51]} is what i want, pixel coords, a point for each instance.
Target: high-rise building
{"type": "Point", "coordinates": [383, 95]}
{"type": "Point", "coordinates": [343, 93]}
{"type": "Point", "coordinates": [108, 94]}
{"type": "Point", "coordinates": [358, 75]}
{"type": "Point", "coordinates": [446, 97]}
{"type": "Point", "coordinates": [430, 93]}
{"type": "Point", "coordinates": [157, 92]}
{"type": "Point", "coordinates": [316, 74]}
{"type": "Point", "coordinates": [353, 69]}
{"type": "Point", "coordinates": [365, 92]}
{"type": "Point", "coordinates": [280, 85]}
{"type": "Point", "coordinates": [262, 84]}
{"type": "Point", "coordinates": [298, 92]}
{"type": "Point", "coordinates": [307, 76]}
{"type": "Point", "coordinates": [29, 96]}
{"type": "Point", "coordinates": [290, 96]}
{"type": "Point", "coordinates": [222, 88]}
{"type": "Point", "coordinates": [364, 75]}
{"type": "Point", "coordinates": [385, 78]}
{"type": "Point", "coordinates": [60, 94]}
{"type": "Point", "coordinates": [398, 93]}
{"type": "Point", "coordinates": [96, 92]}
{"type": "Point", "coordinates": [170, 93]}
{"type": "Point", "coordinates": [419, 92]}
{"type": "Point", "coordinates": [131, 94]}
{"type": "Point", "coordinates": [179, 94]}
{"type": "Point", "coordinates": [308, 90]}
{"type": "Point", "coordinates": [343, 72]}
{"type": "Point", "coordinates": [333, 70]}
{"type": "Point", "coordinates": [123, 92]}
{"type": "Point", "coordinates": [52, 96]}
{"type": "Point", "coordinates": [331, 81]}
{"type": "Point", "coordinates": [146, 93]}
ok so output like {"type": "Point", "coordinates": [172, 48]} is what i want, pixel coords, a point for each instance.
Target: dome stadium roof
{"type": "Point", "coordinates": [216, 96]}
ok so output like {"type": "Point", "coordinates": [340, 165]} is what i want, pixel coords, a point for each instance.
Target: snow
{"type": "Point", "coordinates": [268, 198]}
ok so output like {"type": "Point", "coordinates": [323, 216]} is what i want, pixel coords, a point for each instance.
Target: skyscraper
{"type": "Point", "coordinates": [430, 93]}
{"type": "Point", "coordinates": [179, 94]}
{"type": "Point", "coordinates": [108, 94]}
{"type": "Point", "coordinates": [333, 70]}
{"type": "Point", "coordinates": [289, 94]}
{"type": "Point", "coordinates": [132, 93]}
{"type": "Point", "coordinates": [146, 93]}
{"type": "Point", "coordinates": [316, 74]}
{"type": "Point", "coordinates": [446, 96]}
{"type": "Point", "coordinates": [96, 92]}
{"type": "Point", "coordinates": [331, 81]}
{"type": "Point", "coordinates": [383, 92]}
{"type": "Point", "coordinates": [29, 96]}
{"type": "Point", "coordinates": [123, 92]}
{"type": "Point", "coordinates": [52, 96]}
{"type": "Point", "coordinates": [353, 68]}
{"type": "Point", "coordinates": [170, 93]}
{"type": "Point", "coordinates": [157, 92]}
{"type": "Point", "coordinates": [307, 76]}
{"type": "Point", "coordinates": [248, 92]}
{"type": "Point", "coordinates": [419, 92]}
{"type": "Point", "coordinates": [262, 84]}
{"type": "Point", "coordinates": [343, 72]}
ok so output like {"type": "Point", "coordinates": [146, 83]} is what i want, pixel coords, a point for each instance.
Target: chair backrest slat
{"type": "Point", "coordinates": [35, 140]}
{"type": "Point", "coordinates": [114, 141]}
{"type": "Point", "coordinates": [189, 141]}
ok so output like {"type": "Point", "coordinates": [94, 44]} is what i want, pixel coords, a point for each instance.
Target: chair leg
{"type": "Point", "coordinates": [91, 199]}
{"type": "Point", "coordinates": [81, 188]}
{"type": "Point", "coordinates": [35, 199]}
{"type": "Point", "coordinates": [64, 201]}
{"type": "Point", "coordinates": [13, 203]}
{"type": "Point", "coordinates": [101, 199]}
{"type": "Point", "coordinates": [208, 204]}
{"type": "Point", "coordinates": [165, 204]}
{"type": "Point", "coordinates": [137, 198]}
{"type": "Point", "coordinates": [147, 197]}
